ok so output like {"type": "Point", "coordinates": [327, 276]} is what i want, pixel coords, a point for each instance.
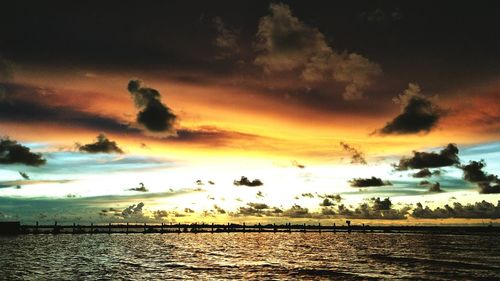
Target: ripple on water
{"type": "Point", "coordinates": [250, 255]}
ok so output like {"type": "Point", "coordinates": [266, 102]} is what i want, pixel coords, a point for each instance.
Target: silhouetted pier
{"type": "Point", "coordinates": [14, 228]}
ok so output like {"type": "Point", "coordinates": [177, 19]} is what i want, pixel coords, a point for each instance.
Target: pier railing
{"type": "Point", "coordinates": [13, 228]}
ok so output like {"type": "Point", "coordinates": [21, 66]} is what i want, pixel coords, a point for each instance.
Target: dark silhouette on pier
{"type": "Point", "coordinates": [15, 228]}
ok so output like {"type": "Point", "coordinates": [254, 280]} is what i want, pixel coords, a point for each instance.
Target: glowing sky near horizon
{"type": "Point", "coordinates": [270, 96]}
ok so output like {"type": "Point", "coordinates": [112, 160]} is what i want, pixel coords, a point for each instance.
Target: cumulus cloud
{"type": "Point", "coordinates": [284, 43]}
{"type": "Point", "coordinates": [11, 152]}
{"type": "Point", "coordinates": [246, 182]}
{"type": "Point", "coordinates": [101, 145]}
{"type": "Point", "coordinates": [226, 39]}
{"type": "Point", "coordinates": [473, 172]}
{"type": "Point", "coordinates": [257, 210]}
{"type": "Point", "coordinates": [375, 208]}
{"type": "Point", "coordinates": [219, 210]}
{"type": "Point", "coordinates": [155, 116]}
{"type": "Point", "coordinates": [307, 194]}
{"type": "Point", "coordinates": [357, 157]}
{"type": "Point", "coordinates": [426, 173]}
{"type": "Point", "coordinates": [418, 113]}
{"type": "Point", "coordinates": [481, 209]}
{"type": "Point", "coordinates": [366, 182]}
{"type": "Point", "coordinates": [133, 211]}
{"type": "Point", "coordinates": [296, 211]}
{"type": "Point", "coordinates": [487, 183]}
{"type": "Point", "coordinates": [448, 156]}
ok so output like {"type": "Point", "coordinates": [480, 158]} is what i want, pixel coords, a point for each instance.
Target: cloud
{"type": "Point", "coordinates": [133, 211]}
{"type": "Point", "coordinates": [418, 113]}
{"type": "Point", "coordinates": [286, 44]}
{"type": "Point", "coordinates": [308, 194]}
{"type": "Point", "coordinates": [245, 181]}
{"type": "Point", "coordinates": [30, 104]}
{"type": "Point", "coordinates": [155, 116]}
{"type": "Point", "coordinates": [473, 172]}
{"type": "Point", "coordinates": [11, 152]}
{"type": "Point", "coordinates": [488, 188]}
{"type": "Point", "coordinates": [487, 183]}
{"type": "Point", "coordinates": [376, 208]}
{"type": "Point", "coordinates": [226, 39]}
{"type": "Point", "coordinates": [24, 175]}
{"type": "Point", "coordinates": [326, 203]}
{"type": "Point", "coordinates": [357, 157]}
{"type": "Point", "coordinates": [424, 173]}
{"type": "Point", "coordinates": [335, 197]}
{"type": "Point", "coordinates": [366, 182]}
{"type": "Point", "coordinates": [435, 188]}
{"type": "Point", "coordinates": [481, 209]}
{"type": "Point", "coordinates": [219, 210]}
{"type": "Point", "coordinates": [141, 188]}
{"type": "Point", "coordinates": [296, 211]}
{"type": "Point", "coordinates": [448, 156]}
{"type": "Point", "coordinates": [295, 163]}
{"type": "Point", "coordinates": [257, 210]}
{"type": "Point", "coordinates": [101, 145]}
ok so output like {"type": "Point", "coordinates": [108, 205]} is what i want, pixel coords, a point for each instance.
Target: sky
{"type": "Point", "coordinates": [250, 111]}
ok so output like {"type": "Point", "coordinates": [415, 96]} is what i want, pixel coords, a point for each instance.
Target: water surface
{"type": "Point", "coordinates": [260, 256]}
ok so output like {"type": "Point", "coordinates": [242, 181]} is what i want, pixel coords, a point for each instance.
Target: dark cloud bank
{"type": "Point", "coordinates": [487, 183]}
{"type": "Point", "coordinates": [11, 152]}
{"type": "Point", "coordinates": [421, 160]}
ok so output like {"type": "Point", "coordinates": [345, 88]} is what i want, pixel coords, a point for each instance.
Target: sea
{"type": "Point", "coordinates": [250, 256]}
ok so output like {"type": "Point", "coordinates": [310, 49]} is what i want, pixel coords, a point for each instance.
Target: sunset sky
{"type": "Point", "coordinates": [241, 111]}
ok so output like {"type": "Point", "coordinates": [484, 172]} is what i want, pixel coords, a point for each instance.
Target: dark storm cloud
{"type": "Point", "coordinates": [448, 156]}
{"type": "Point", "coordinates": [246, 182]}
{"type": "Point", "coordinates": [357, 157]}
{"type": "Point", "coordinates": [418, 114]}
{"type": "Point", "coordinates": [473, 172]}
{"type": "Point", "coordinates": [153, 114]}
{"type": "Point", "coordinates": [487, 183]}
{"type": "Point", "coordinates": [489, 188]}
{"type": "Point", "coordinates": [367, 182]}
{"type": "Point", "coordinates": [101, 145]}
{"type": "Point", "coordinates": [12, 152]}
{"type": "Point", "coordinates": [480, 210]}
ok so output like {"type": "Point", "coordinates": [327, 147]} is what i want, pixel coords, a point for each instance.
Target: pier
{"type": "Point", "coordinates": [16, 228]}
